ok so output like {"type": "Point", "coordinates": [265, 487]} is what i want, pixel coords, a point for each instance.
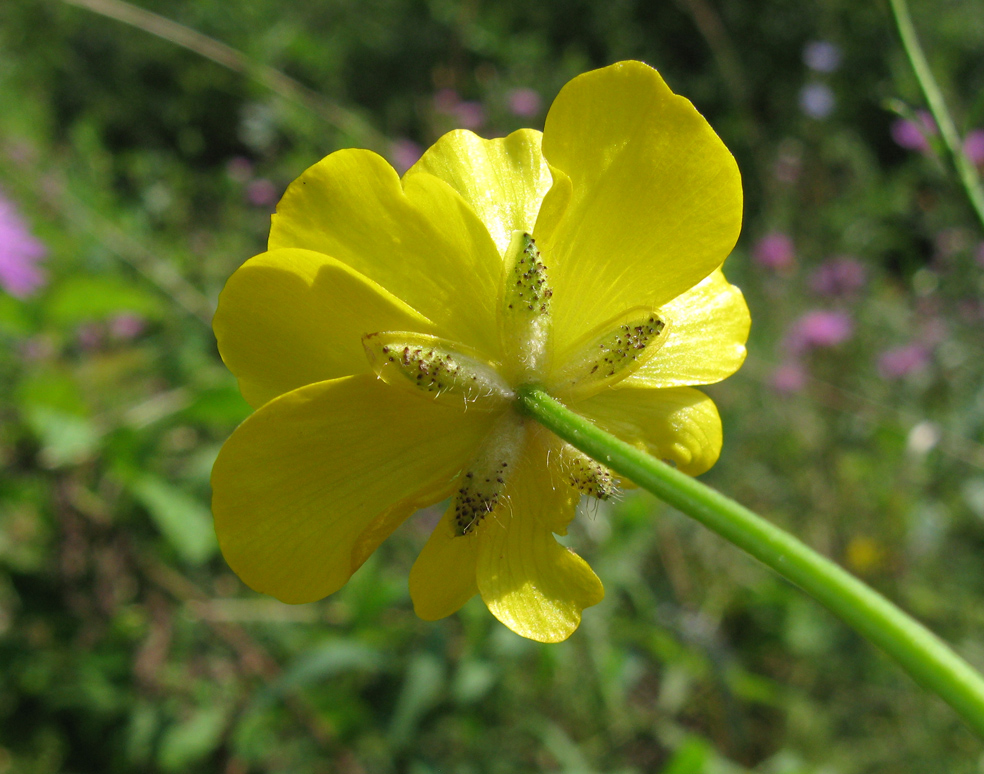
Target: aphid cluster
{"type": "Point", "coordinates": [626, 343]}
{"type": "Point", "coordinates": [478, 497]}
{"type": "Point", "coordinates": [432, 371]}
{"type": "Point", "coordinates": [529, 290]}
{"type": "Point", "coordinates": [588, 476]}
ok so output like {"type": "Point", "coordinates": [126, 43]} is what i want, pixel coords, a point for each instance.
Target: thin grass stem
{"type": "Point", "coordinates": [235, 60]}
{"type": "Point", "coordinates": [966, 171]}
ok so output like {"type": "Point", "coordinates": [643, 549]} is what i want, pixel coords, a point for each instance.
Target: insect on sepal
{"type": "Point", "coordinates": [443, 370]}
{"type": "Point", "coordinates": [586, 475]}
{"type": "Point", "coordinates": [610, 353]}
{"type": "Point", "coordinates": [483, 482]}
{"type": "Point", "coordinates": [524, 313]}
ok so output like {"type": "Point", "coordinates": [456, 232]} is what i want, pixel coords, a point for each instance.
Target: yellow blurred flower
{"type": "Point", "coordinates": [383, 333]}
{"type": "Point", "coordinates": [865, 555]}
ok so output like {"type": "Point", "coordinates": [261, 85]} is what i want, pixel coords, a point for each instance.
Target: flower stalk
{"type": "Point", "coordinates": [930, 661]}
{"type": "Point", "coordinates": [965, 169]}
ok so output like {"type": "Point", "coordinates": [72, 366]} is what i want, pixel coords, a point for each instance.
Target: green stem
{"type": "Point", "coordinates": [966, 171]}
{"type": "Point", "coordinates": [927, 658]}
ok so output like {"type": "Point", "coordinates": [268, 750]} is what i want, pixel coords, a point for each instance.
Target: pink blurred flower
{"type": "Point", "coordinates": [818, 329]}
{"type": "Point", "coordinates": [126, 326]}
{"type": "Point", "coordinates": [525, 103]}
{"type": "Point", "coordinates": [914, 135]}
{"type": "Point", "coordinates": [838, 277]}
{"type": "Point", "coordinates": [20, 254]}
{"type": "Point", "coordinates": [789, 377]}
{"type": "Point", "coordinates": [446, 100]}
{"type": "Point", "coordinates": [89, 336]}
{"type": "Point", "coordinates": [774, 251]}
{"type": "Point", "coordinates": [404, 154]}
{"type": "Point", "coordinates": [974, 147]}
{"type": "Point", "coordinates": [262, 193]}
{"type": "Point", "coordinates": [239, 169]}
{"type": "Point", "coordinates": [38, 348]}
{"type": "Point", "coordinates": [899, 362]}
{"type": "Point", "coordinates": [470, 115]}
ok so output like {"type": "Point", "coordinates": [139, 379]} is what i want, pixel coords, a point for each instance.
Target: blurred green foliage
{"type": "Point", "coordinates": [149, 172]}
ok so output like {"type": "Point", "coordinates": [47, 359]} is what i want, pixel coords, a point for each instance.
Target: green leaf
{"type": "Point", "coordinates": [422, 688]}
{"type": "Point", "coordinates": [13, 316]}
{"type": "Point", "coordinates": [691, 757]}
{"type": "Point", "coordinates": [66, 439]}
{"type": "Point", "coordinates": [218, 405]}
{"type": "Point", "coordinates": [181, 518]}
{"type": "Point", "coordinates": [84, 298]}
{"type": "Point", "coordinates": [317, 665]}
{"type": "Point", "coordinates": [190, 741]}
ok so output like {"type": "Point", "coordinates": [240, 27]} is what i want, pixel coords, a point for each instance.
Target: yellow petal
{"type": "Point", "coordinates": [298, 482]}
{"type": "Point", "coordinates": [293, 317]}
{"type": "Point", "coordinates": [504, 180]}
{"type": "Point", "coordinates": [385, 524]}
{"type": "Point", "coordinates": [706, 340]}
{"type": "Point", "coordinates": [678, 425]}
{"type": "Point", "coordinates": [527, 579]}
{"type": "Point", "coordinates": [656, 197]}
{"type": "Point", "coordinates": [421, 241]}
{"type": "Point", "coordinates": [443, 577]}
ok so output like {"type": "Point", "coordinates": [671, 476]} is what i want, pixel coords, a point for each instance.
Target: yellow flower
{"type": "Point", "coordinates": [383, 333]}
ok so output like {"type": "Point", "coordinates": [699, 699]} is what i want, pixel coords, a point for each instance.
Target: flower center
{"type": "Point", "coordinates": [450, 372]}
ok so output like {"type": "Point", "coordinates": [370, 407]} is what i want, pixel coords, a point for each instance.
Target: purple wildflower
{"type": "Point", "coordinates": [126, 326]}
{"type": "Point", "coordinates": [914, 135]}
{"type": "Point", "coordinates": [446, 100]}
{"type": "Point", "coordinates": [840, 276]}
{"type": "Point", "coordinates": [20, 253]}
{"type": "Point", "coordinates": [404, 154]}
{"type": "Point", "coordinates": [818, 329]}
{"type": "Point", "coordinates": [774, 251]}
{"type": "Point", "coordinates": [974, 147]}
{"type": "Point", "coordinates": [822, 56]}
{"type": "Point", "coordinates": [525, 103]}
{"type": "Point", "coordinates": [817, 101]}
{"type": "Point", "coordinates": [899, 362]}
{"type": "Point", "coordinates": [89, 336]}
{"type": "Point", "coordinates": [789, 377]}
{"type": "Point", "coordinates": [37, 348]}
{"type": "Point", "coordinates": [470, 115]}
{"type": "Point", "coordinates": [239, 169]}
{"type": "Point", "coordinates": [262, 193]}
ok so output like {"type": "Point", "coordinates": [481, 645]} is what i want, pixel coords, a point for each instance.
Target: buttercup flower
{"type": "Point", "coordinates": [384, 333]}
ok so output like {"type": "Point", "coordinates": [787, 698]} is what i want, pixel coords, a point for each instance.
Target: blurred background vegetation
{"type": "Point", "coordinates": [137, 172]}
